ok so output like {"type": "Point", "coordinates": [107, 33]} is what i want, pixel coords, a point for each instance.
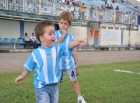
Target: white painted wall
{"type": "Point", "coordinates": [9, 28]}
{"type": "Point", "coordinates": [29, 28]}
{"type": "Point", "coordinates": [78, 32]}
{"type": "Point", "coordinates": [108, 37]}
{"type": "Point", "coordinates": [134, 38]}
{"type": "Point", "coordinates": [112, 37]}
{"type": "Point", "coordinates": [126, 38]}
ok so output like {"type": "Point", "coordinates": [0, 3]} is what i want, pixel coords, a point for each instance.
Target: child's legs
{"type": "Point", "coordinates": [54, 94]}
{"type": "Point", "coordinates": [72, 75]}
{"type": "Point", "coordinates": [42, 96]}
{"type": "Point", "coordinates": [47, 94]}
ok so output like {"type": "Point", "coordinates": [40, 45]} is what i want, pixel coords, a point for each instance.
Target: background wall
{"type": "Point", "coordinates": [9, 28]}
{"type": "Point", "coordinates": [113, 37]}
{"type": "Point", "coordinates": [29, 28]}
{"type": "Point", "coordinates": [110, 34]}
{"type": "Point", "coordinates": [78, 32]}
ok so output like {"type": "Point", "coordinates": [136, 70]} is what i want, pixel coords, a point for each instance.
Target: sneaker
{"type": "Point", "coordinates": [81, 100]}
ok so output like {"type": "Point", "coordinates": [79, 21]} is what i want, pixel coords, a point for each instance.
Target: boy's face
{"type": "Point", "coordinates": [48, 38]}
{"type": "Point", "coordinates": [63, 24]}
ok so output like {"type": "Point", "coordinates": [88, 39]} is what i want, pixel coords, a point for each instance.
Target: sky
{"type": "Point", "coordinates": [138, 0]}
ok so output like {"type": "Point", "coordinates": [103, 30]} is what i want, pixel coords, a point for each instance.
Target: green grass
{"type": "Point", "coordinates": [99, 83]}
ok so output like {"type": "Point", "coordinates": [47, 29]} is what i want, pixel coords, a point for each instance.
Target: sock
{"type": "Point", "coordinates": [79, 97]}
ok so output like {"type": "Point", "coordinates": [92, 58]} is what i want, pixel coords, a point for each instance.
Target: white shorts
{"type": "Point", "coordinates": [72, 74]}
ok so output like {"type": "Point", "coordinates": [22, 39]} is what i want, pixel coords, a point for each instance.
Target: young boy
{"type": "Point", "coordinates": [45, 60]}
{"type": "Point", "coordinates": [69, 63]}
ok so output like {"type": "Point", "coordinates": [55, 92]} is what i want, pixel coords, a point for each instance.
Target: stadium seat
{"type": "Point", "coordinates": [7, 40]}
{"type": "Point", "coordinates": [14, 41]}
{"type": "Point", "coordinates": [37, 41]}
{"type": "Point", "coordinates": [1, 41]}
{"type": "Point", "coordinates": [20, 41]}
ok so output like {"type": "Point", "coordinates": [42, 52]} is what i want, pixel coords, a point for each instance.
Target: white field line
{"type": "Point", "coordinates": [125, 71]}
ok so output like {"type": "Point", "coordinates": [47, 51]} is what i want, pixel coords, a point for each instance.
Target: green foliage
{"type": "Point", "coordinates": [99, 83]}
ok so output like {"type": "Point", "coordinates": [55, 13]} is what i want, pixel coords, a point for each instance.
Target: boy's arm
{"type": "Point", "coordinates": [64, 32]}
{"type": "Point", "coordinates": [60, 39]}
{"type": "Point", "coordinates": [21, 77]}
{"type": "Point", "coordinates": [76, 43]}
{"type": "Point", "coordinates": [75, 59]}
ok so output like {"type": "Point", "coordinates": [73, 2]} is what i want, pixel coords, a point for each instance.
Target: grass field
{"type": "Point", "coordinates": [99, 83]}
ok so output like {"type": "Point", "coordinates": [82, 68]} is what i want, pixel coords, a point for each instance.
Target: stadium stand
{"type": "Point", "coordinates": [34, 11]}
{"type": "Point", "coordinates": [99, 3]}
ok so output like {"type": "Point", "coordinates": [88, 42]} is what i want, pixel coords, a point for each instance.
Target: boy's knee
{"type": "Point", "coordinates": [74, 82]}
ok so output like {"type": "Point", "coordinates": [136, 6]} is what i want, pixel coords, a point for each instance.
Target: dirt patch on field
{"type": "Point", "coordinates": [15, 61]}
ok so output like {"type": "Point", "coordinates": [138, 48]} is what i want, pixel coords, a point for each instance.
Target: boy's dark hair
{"type": "Point", "coordinates": [66, 16]}
{"type": "Point", "coordinates": [25, 34]}
{"type": "Point", "coordinates": [39, 28]}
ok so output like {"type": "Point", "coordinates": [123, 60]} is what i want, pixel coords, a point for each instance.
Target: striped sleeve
{"type": "Point", "coordinates": [30, 63]}
{"type": "Point", "coordinates": [57, 35]}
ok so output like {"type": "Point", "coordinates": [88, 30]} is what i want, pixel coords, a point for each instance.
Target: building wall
{"type": "Point", "coordinates": [134, 38]}
{"type": "Point", "coordinates": [112, 37]}
{"type": "Point", "coordinates": [9, 28]}
{"type": "Point", "coordinates": [29, 28]}
{"type": "Point", "coordinates": [78, 32]}
{"type": "Point", "coordinates": [110, 34]}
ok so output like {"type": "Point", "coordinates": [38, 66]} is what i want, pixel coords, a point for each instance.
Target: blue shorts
{"type": "Point", "coordinates": [47, 94]}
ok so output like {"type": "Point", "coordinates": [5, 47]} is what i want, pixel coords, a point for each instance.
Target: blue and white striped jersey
{"type": "Point", "coordinates": [45, 61]}
{"type": "Point", "coordinates": [66, 62]}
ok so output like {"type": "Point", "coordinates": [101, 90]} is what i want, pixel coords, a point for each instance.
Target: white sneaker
{"type": "Point", "coordinates": [81, 100]}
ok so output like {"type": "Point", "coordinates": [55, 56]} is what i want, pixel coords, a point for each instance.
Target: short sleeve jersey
{"type": "Point", "coordinates": [67, 61]}
{"type": "Point", "coordinates": [45, 61]}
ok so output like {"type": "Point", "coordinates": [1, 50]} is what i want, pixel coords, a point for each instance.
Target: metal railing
{"type": "Point", "coordinates": [45, 7]}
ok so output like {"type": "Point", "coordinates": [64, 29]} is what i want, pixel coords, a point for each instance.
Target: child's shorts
{"type": "Point", "coordinates": [72, 74]}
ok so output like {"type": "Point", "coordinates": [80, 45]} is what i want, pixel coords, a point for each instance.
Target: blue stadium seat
{"type": "Point", "coordinates": [7, 40]}
{"type": "Point", "coordinates": [37, 41]}
{"type": "Point", "coordinates": [20, 41]}
{"type": "Point", "coordinates": [13, 40]}
{"type": "Point", "coordinates": [1, 41]}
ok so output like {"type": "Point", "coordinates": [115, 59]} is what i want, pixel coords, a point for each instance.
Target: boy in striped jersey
{"type": "Point", "coordinates": [69, 64]}
{"type": "Point", "coordinates": [45, 61]}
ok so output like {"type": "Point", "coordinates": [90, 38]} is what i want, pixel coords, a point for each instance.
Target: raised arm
{"type": "Point", "coordinates": [64, 32]}
{"type": "Point", "coordinates": [76, 43]}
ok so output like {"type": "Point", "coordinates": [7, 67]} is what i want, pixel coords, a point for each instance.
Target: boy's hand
{"type": "Point", "coordinates": [83, 42]}
{"type": "Point", "coordinates": [64, 32]}
{"type": "Point", "coordinates": [19, 79]}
